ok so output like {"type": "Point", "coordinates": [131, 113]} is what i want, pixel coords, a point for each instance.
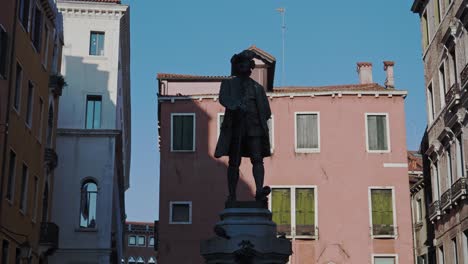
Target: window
{"type": "Point", "coordinates": [436, 181]}
{"type": "Point", "coordinates": [18, 256]}
{"type": "Point", "coordinates": [140, 260]}
{"type": "Point", "coordinates": [11, 176]}
{"type": "Point", "coordinates": [437, 12]}
{"type": "Point", "coordinates": [131, 260]}
{"type": "Point", "coordinates": [442, 84]}
{"type": "Point", "coordinates": [45, 55]}
{"type": "Point", "coordinates": [131, 240]}
{"type": "Point", "coordinates": [3, 52]}
{"type": "Point", "coordinates": [382, 216]}
{"type": "Point", "coordinates": [36, 32]}
{"type": "Point", "coordinates": [441, 255]}
{"type": "Point", "coordinates": [5, 248]}
{"type": "Point", "coordinates": [141, 240]}
{"type": "Point", "coordinates": [151, 241]}
{"type": "Point", "coordinates": [384, 260]}
{"type": "Point", "coordinates": [455, 251]}
{"type": "Point", "coordinates": [465, 245]}
{"type": "Point", "coordinates": [430, 103]}
{"type": "Point", "coordinates": [183, 132]}
{"type": "Point", "coordinates": [448, 160]}
{"type": "Point", "coordinates": [36, 191]}
{"type": "Point", "coordinates": [459, 157]}
{"type": "Point", "coordinates": [24, 13]}
{"type": "Point", "coordinates": [377, 132]}
{"type": "Point", "coordinates": [418, 211]}
{"type": "Point", "coordinates": [24, 188]}
{"type": "Point", "coordinates": [93, 111]}
{"type": "Point", "coordinates": [421, 259]}
{"type": "Point", "coordinates": [270, 124]}
{"type": "Point", "coordinates": [152, 260]}
{"type": "Point", "coordinates": [307, 132]}
{"type": "Point", "coordinates": [96, 43]}
{"type": "Point", "coordinates": [29, 106]}
{"type": "Point", "coordinates": [425, 30]}
{"type": "Point", "coordinates": [89, 193]}
{"type": "Point", "coordinates": [50, 125]}
{"type": "Point", "coordinates": [41, 119]}
{"type": "Point", "coordinates": [19, 77]}
{"type": "Point", "coordinates": [180, 213]}
{"type": "Point", "coordinates": [293, 210]}
{"type": "Point", "coordinates": [453, 64]}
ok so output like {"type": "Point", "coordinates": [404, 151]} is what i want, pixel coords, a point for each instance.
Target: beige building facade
{"type": "Point", "coordinates": [444, 27]}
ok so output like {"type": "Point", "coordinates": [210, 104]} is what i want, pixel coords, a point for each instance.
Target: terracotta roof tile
{"type": "Point", "coordinates": [414, 161]}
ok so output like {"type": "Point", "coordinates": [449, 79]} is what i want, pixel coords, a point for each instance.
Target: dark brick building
{"type": "Point", "coordinates": [140, 241]}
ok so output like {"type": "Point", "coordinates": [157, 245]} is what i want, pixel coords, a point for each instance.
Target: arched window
{"type": "Point", "coordinates": [152, 260]}
{"type": "Point", "coordinates": [140, 260]}
{"type": "Point", "coordinates": [88, 206]}
{"type": "Point", "coordinates": [131, 260]}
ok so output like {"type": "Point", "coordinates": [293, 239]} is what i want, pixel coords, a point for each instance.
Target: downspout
{"type": "Point", "coordinates": [10, 82]}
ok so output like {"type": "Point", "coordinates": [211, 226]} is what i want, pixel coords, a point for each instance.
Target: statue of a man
{"type": "Point", "coordinates": [244, 131]}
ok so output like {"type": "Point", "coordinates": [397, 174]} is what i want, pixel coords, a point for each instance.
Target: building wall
{"type": "Point", "coordinates": [448, 216]}
{"type": "Point", "coordinates": [343, 171]}
{"type": "Point", "coordinates": [29, 141]}
{"type": "Point", "coordinates": [147, 251]}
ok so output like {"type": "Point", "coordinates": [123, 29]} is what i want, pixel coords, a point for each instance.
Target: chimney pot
{"type": "Point", "coordinates": [390, 81]}
{"type": "Point", "coordinates": [364, 70]}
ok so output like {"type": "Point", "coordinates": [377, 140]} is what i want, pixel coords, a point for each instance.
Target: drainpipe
{"type": "Point", "coordinates": [10, 82]}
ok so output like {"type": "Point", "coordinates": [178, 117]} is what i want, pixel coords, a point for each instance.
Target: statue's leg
{"type": "Point", "coordinates": [258, 170]}
{"type": "Point", "coordinates": [233, 169]}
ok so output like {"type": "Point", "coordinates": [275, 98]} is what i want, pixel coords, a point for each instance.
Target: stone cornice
{"type": "Point", "coordinates": [91, 9]}
{"type": "Point", "coordinates": [88, 132]}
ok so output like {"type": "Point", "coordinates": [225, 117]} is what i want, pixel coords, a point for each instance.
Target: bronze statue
{"type": "Point", "coordinates": [244, 131]}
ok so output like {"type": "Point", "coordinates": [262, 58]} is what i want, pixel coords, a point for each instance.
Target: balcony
{"type": "Point", "coordinates": [446, 199]}
{"type": "Point", "coordinates": [453, 95]}
{"type": "Point", "coordinates": [48, 238]}
{"type": "Point", "coordinates": [434, 210]}
{"type": "Point", "coordinates": [459, 189]}
{"type": "Point", "coordinates": [56, 84]}
{"type": "Point", "coordinates": [50, 158]}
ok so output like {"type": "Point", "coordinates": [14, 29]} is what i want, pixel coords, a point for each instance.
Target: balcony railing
{"type": "Point", "coordinates": [299, 231]}
{"type": "Point", "coordinates": [445, 199]}
{"type": "Point", "coordinates": [464, 75]}
{"type": "Point", "coordinates": [383, 230]}
{"type": "Point", "coordinates": [434, 210]}
{"type": "Point", "coordinates": [48, 238]}
{"type": "Point", "coordinates": [459, 188]}
{"type": "Point", "coordinates": [453, 95]}
{"type": "Point", "coordinates": [50, 158]}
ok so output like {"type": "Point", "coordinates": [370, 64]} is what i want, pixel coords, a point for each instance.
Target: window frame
{"type": "Point", "coordinates": [82, 183]}
{"type": "Point", "coordinates": [41, 120]}
{"type": "Point", "coordinates": [18, 88]}
{"type": "Point", "coordinates": [189, 203]}
{"type": "Point", "coordinates": [430, 101]}
{"type": "Point", "coordinates": [3, 76]}
{"type": "Point", "coordinates": [12, 176]}
{"type": "Point", "coordinates": [23, 202]}
{"type": "Point", "coordinates": [103, 47]}
{"type": "Point", "coordinates": [387, 122]}
{"type": "Point", "coordinates": [33, 27]}
{"type": "Point", "coordinates": [395, 256]}
{"type": "Point", "coordinates": [149, 241]}
{"type": "Point", "coordinates": [455, 252]}
{"type": "Point", "coordinates": [128, 241]}
{"type": "Point", "coordinates": [193, 114]}
{"type": "Point", "coordinates": [419, 211]}
{"type": "Point", "coordinates": [36, 200]}
{"type": "Point", "coordinates": [28, 119]}
{"type": "Point", "coordinates": [138, 240]}
{"type": "Point", "coordinates": [307, 150]}
{"type": "Point", "coordinates": [395, 225]}
{"type": "Point", "coordinates": [89, 98]}
{"type": "Point", "coordinates": [440, 254]}
{"type": "Point", "coordinates": [292, 189]}
{"type": "Point", "coordinates": [442, 76]}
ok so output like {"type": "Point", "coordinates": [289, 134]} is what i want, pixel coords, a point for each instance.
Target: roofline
{"type": "Point", "coordinates": [292, 95]}
{"type": "Point", "coordinates": [188, 77]}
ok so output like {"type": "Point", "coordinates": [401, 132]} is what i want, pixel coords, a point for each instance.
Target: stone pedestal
{"type": "Point", "coordinates": [246, 235]}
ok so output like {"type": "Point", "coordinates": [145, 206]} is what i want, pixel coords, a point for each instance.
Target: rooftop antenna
{"type": "Point", "coordinates": [282, 12]}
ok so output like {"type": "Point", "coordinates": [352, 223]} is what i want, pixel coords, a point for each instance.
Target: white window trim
{"type": "Point", "coordinates": [395, 226]}
{"type": "Point", "coordinates": [387, 121]}
{"type": "Point", "coordinates": [89, 43]}
{"type": "Point", "coordinates": [190, 212]}
{"type": "Point", "coordinates": [385, 255]}
{"type": "Point", "coordinates": [194, 131]}
{"type": "Point", "coordinates": [293, 207]}
{"type": "Point", "coordinates": [306, 150]}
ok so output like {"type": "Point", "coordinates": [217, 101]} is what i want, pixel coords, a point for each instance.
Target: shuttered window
{"type": "Point", "coordinates": [183, 132]}
{"type": "Point", "coordinates": [382, 212]}
{"type": "Point", "coordinates": [281, 209]}
{"type": "Point", "coordinates": [307, 132]}
{"type": "Point", "coordinates": [377, 138]}
{"type": "Point", "coordinates": [384, 260]}
{"type": "Point", "coordinates": [305, 212]}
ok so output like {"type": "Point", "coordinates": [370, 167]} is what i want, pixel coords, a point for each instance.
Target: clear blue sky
{"type": "Point", "coordinates": [324, 40]}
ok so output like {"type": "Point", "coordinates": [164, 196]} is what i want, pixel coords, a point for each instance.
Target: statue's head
{"type": "Point", "coordinates": [243, 63]}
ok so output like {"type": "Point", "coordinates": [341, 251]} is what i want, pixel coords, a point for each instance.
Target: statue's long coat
{"type": "Point", "coordinates": [229, 96]}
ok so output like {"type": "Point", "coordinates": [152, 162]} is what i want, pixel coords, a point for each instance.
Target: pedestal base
{"type": "Point", "coordinates": [246, 235]}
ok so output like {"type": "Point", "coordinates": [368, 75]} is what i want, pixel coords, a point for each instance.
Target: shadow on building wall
{"type": "Point", "coordinates": [197, 177]}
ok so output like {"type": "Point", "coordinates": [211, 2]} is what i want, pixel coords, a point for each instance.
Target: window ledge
{"type": "Point", "coordinates": [307, 151]}
{"type": "Point", "coordinates": [86, 230]}
{"type": "Point", "coordinates": [180, 223]}
{"type": "Point", "coordinates": [384, 236]}
{"type": "Point", "coordinates": [183, 151]}
{"type": "Point", "coordinates": [96, 57]}
{"type": "Point", "coordinates": [378, 151]}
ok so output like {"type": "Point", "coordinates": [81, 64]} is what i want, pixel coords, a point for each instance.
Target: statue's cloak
{"type": "Point", "coordinates": [229, 97]}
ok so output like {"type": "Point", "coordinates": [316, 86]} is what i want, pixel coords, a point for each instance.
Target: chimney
{"type": "Point", "coordinates": [390, 81]}
{"type": "Point", "coordinates": [364, 70]}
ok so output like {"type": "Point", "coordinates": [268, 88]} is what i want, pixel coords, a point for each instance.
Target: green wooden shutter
{"type": "Point", "coordinates": [281, 209]}
{"type": "Point", "coordinates": [305, 212]}
{"type": "Point", "coordinates": [382, 212]}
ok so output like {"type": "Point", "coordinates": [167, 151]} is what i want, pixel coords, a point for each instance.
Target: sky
{"type": "Point", "coordinates": [323, 42]}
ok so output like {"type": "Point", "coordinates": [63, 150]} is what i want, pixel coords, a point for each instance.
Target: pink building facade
{"type": "Point", "coordinates": [338, 168]}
